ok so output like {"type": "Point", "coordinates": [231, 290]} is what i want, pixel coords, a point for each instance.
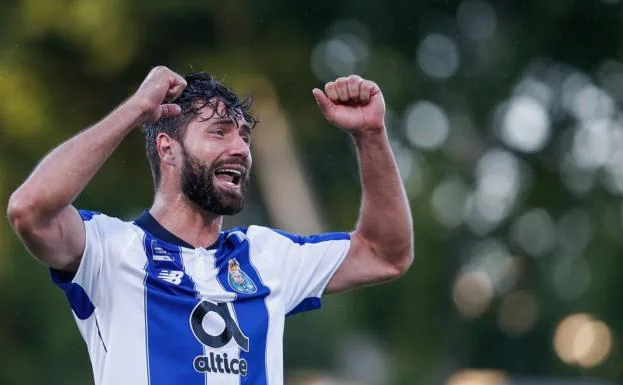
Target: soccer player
{"type": "Point", "coordinates": [171, 298]}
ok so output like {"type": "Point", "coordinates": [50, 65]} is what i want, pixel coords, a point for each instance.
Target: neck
{"type": "Point", "coordinates": [185, 220]}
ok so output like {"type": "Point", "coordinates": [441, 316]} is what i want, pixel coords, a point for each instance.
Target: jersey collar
{"type": "Point", "coordinates": [148, 223]}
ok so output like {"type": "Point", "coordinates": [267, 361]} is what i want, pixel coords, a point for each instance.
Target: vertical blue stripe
{"type": "Point", "coordinates": [251, 311]}
{"type": "Point", "coordinates": [171, 345]}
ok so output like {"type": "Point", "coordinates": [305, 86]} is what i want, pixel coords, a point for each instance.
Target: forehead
{"type": "Point", "coordinates": [215, 111]}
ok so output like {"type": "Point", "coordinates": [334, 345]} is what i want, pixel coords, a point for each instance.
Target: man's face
{"type": "Point", "coordinates": [217, 162]}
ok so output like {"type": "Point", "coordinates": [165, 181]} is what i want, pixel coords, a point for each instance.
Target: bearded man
{"type": "Point", "coordinates": [171, 297]}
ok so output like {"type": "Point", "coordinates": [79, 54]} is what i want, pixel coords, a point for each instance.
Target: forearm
{"type": "Point", "coordinates": [385, 220]}
{"type": "Point", "coordinates": [64, 173]}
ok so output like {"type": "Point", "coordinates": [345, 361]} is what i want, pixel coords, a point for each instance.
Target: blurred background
{"type": "Point", "coordinates": [506, 121]}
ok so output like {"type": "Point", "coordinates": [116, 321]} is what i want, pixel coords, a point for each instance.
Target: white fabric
{"type": "Point", "coordinates": [112, 274]}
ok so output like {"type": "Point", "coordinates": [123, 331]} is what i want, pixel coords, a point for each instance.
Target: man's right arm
{"type": "Point", "coordinates": [41, 210]}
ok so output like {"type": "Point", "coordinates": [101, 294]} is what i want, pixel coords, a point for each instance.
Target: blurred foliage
{"type": "Point", "coordinates": [515, 187]}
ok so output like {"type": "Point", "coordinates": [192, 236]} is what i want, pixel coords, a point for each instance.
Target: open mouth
{"type": "Point", "coordinates": [230, 175]}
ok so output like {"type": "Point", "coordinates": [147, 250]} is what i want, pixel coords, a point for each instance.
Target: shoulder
{"type": "Point", "coordinates": [267, 234]}
{"type": "Point", "coordinates": [104, 224]}
{"type": "Point", "coordinates": [261, 234]}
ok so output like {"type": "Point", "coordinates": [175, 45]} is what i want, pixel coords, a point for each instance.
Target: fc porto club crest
{"type": "Point", "coordinates": [238, 279]}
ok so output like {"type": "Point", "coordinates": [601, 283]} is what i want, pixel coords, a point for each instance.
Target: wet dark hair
{"type": "Point", "coordinates": [201, 90]}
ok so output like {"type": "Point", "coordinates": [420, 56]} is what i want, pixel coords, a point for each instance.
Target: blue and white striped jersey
{"type": "Point", "coordinates": [154, 310]}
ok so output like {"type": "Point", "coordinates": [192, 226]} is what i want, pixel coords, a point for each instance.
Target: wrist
{"type": "Point", "coordinates": [370, 135]}
{"type": "Point", "coordinates": [136, 109]}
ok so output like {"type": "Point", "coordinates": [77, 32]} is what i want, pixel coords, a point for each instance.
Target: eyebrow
{"type": "Point", "coordinates": [244, 126]}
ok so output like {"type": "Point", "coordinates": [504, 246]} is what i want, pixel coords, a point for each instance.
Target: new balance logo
{"type": "Point", "coordinates": [171, 276]}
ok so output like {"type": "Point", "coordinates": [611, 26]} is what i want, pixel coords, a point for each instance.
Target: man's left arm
{"type": "Point", "coordinates": [382, 244]}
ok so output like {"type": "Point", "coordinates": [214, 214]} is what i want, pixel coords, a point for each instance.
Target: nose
{"type": "Point", "coordinates": [239, 148]}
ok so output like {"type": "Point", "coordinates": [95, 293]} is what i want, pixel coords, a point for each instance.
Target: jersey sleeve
{"type": "Point", "coordinates": [305, 263]}
{"type": "Point", "coordinates": [86, 287]}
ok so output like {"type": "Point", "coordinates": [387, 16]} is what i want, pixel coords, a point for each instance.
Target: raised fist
{"type": "Point", "coordinates": [160, 87]}
{"type": "Point", "coordinates": [353, 104]}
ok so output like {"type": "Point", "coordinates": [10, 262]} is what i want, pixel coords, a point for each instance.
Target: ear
{"type": "Point", "coordinates": [166, 147]}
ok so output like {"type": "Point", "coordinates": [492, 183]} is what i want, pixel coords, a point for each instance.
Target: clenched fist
{"type": "Point", "coordinates": [353, 104]}
{"type": "Point", "coordinates": [160, 87]}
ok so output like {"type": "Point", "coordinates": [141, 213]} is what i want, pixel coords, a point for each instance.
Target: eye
{"type": "Point", "coordinates": [247, 139]}
{"type": "Point", "coordinates": [218, 132]}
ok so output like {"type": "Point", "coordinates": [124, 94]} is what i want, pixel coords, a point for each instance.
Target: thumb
{"type": "Point", "coordinates": [169, 110]}
{"type": "Point", "coordinates": [322, 100]}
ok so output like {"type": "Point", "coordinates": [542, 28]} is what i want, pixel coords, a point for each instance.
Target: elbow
{"type": "Point", "coordinates": [394, 258]}
{"type": "Point", "coordinates": [402, 262]}
{"type": "Point", "coordinates": [396, 262]}
{"type": "Point", "coordinates": [404, 255]}
{"type": "Point", "coordinates": [21, 212]}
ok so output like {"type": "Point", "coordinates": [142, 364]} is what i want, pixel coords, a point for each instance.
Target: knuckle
{"type": "Point", "coordinates": [160, 68]}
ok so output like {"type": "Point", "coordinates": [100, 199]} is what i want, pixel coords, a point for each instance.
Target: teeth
{"type": "Point", "coordinates": [229, 170]}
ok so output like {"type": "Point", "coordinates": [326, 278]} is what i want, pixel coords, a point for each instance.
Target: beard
{"type": "Point", "coordinates": [199, 185]}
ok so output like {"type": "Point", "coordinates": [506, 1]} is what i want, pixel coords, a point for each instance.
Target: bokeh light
{"type": "Point", "coordinates": [478, 377]}
{"type": "Point", "coordinates": [448, 201]}
{"type": "Point", "coordinates": [525, 125]}
{"type": "Point", "coordinates": [581, 340]}
{"type": "Point", "coordinates": [472, 294]}
{"type": "Point", "coordinates": [346, 52]}
{"type": "Point", "coordinates": [534, 232]}
{"type": "Point", "coordinates": [491, 256]}
{"type": "Point", "coordinates": [438, 56]}
{"type": "Point", "coordinates": [498, 183]}
{"type": "Point", "coordinates": [591, 144]}
{"type": "Point", "coordinates": [426, 125]}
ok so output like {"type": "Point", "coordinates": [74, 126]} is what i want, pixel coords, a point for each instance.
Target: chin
{"type": "Point", "coordinates": [229, 202]}
{"type": "Point", "coordinates": [226, 205]}
{"type": "Point", "coordinates": [230, 212]}
{"type": "Point", "coordinates": [227, 210]}
{"type": "Point", "coordinates": [215, 198]}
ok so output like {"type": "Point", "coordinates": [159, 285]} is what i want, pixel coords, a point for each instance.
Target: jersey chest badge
{"type": "Point", "coordinates": [238, 279]}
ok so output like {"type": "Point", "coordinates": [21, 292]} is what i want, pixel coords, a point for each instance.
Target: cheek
{"type": "Point", "coordinates": [204, 152]}
{"type": "Point", "coordinates": [208, 158]}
